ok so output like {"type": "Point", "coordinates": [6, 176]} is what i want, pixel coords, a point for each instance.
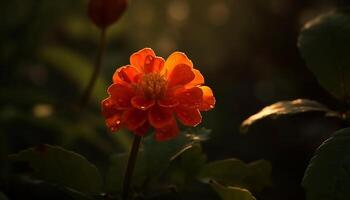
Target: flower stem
{"type": "Point", "coordinates": [131, 165]}
{"type": "Point", "coordinates": [97, 68]}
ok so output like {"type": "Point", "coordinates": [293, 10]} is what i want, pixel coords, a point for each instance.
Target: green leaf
{"type": "Point", "coordinates": [23, 187]}
{"type": "Point", "coordinates": [232, 193]}
{"type": "Point", "coordinates": [76, 67]}
{"type": "Point", "coordinates": [158, 154]}
{"type": "Point", "coordinates": [328, 175]}
{"type": "Point", "coordinates": [57, 165]}
{"type": "Point", "coordinates": [192, 160]}
{"type": "Point", "coordinates": [185, 167]}
{"type": "Point", "coordinates": [259, 175]}
{"type": "Point", "coordinates": [288, 108]}
{"type": "Point", "coordinates": [254, 176]}
{"type": "Point", "coordinates": [325, 45]}
{"type": "Point", "coordinates": [229, 172]}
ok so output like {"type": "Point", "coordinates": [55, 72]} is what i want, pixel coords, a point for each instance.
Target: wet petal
{"type": "Point", "coordinates": [114, 122]}
{"type": "Point", "coordinates": [138, 59]}
{"type": "Point", "coordinates": [126, 74]}
{"type": "Point", "coordinates": [153, 64]}
{"type": "Point", "coordinates": [112, 115]}
{"type": "Point", "coordinates": [142, 103]}
{"type": "Point", "coordinates": [159, 117]}
{"type": "Point", "coordinates": [188, 116]}
{"type": "Point", "coordinates": [134, 118]}
{"type": "Point", "coordinates": [174, 59]}
{"type": "Point", "coordinates": [208, 102]}
{"type": "Point", "coordinates": [121, 95]}
{"type": "Point", "coordinates": [108, 107]}
{"type": "Point", "coordinates": [192, 97]}
{"type": "Point", "coordinates": [197, 81]}
{"type": "Point", "coordinates": [180, 75]}
{"type": "Point", "coordinates": [167, 132]}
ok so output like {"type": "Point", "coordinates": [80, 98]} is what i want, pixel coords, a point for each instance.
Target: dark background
{"type": "Point", "coordinates": [246, 49]}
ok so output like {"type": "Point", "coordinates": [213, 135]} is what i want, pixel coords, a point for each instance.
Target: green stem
{"type": "Point", "coordinates": [97, 68]}
{"type": "Point", "coordinates": [131, 166]}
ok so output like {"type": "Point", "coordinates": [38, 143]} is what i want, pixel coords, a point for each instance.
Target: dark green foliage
{"type": "Point", "coordinates": [57, 165]}
{"type": "Point", "coordinates": [325, 44]}
{"type": "Point", "coordinates": [152, 160]}
{"type": "Point", "coordinates": [162, 168]}
{"type": "Point", "coordinates": [288, 108]}
{"type": "Point", "coordinates": [327, 176]}
{"type": "Point", "coordinates": [232, 193]}
{"type": "Point", "coordinates": [25, 188]}
{"type": "Point", "coordinates": [254, 176]}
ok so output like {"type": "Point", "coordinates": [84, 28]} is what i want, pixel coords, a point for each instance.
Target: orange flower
{"type": "Point", "coordinates": [150, 92]}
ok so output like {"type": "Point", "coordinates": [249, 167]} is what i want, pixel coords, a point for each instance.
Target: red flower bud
{"type": "Point", "coordinates": [103, 13]}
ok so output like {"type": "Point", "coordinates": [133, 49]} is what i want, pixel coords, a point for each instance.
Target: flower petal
{"type": "Point", "coordinates": [142, 130]}
{"type": "Point", "coordinates": [168, 102]}
{"type": "Point", "coordinates": [180, 75]}
{"type": "Point", "coordinates": [197, 81]}
{"type": "Point", "coordinates": [108, 107]}
{"type": "Point", "coordinates": [138, 59]}
{"type": "Point", "coordinates": [112, 115]}
{"type": "Point", "coordinates": [134, 118]}
{"type": "Point", "coordinates": [167, 132]}
{"type": "Point", "coordinates": [208, 102]}
{"type": "Point", "coordinates": [126, 74]}
{"type": "Point", "coordinates": [192, 97]}
{"type": "Point", "coordinates": [121, 95]}
{"type": "Point", "coordinates": [153, 64]}
{"type": "Point", "coordinates": [188, 116]}
{"type": "Point", "coordinates": [142, 103]}
{"type": "Point", "coordinates": [174, 59]}
{"type": "Point", "coordinates": [159, 117]}
{"type": "Point", "coordinates": [114, 122]}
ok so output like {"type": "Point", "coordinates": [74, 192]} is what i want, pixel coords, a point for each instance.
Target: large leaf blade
{"type": "Point", "coordinates": [230, 171]}
{"type": "Point", "coordinates": [283, 108]}
{"type": "Point", "coordinates": [255, 176]}
{"type": "Point", "coordinates": [232, 193]}
{"type": "Point", "coordinates": [327, 176]}
{"type": "Point", "coordinates": [325, 45]}
{"type": "Point", "coordinates": [259, 175]}
{"type": "Point", "coordinates": [57, 165]}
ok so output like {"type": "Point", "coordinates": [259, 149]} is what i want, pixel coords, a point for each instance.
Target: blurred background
{"type": "Point", "coordinates": [246, 49]}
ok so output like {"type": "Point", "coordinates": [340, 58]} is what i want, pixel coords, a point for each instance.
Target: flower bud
{"type": "Point", "coordinates": [104, 13]}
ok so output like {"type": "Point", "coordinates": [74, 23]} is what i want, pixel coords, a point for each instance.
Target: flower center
{"type": "Point", "coordinates": [153, 85]}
